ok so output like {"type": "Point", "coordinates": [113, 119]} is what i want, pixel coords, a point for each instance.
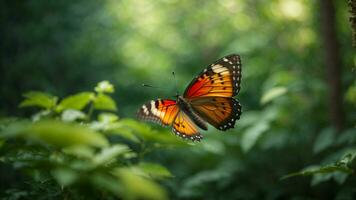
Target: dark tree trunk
{"type": "Point", "coordinates": [332, 62]}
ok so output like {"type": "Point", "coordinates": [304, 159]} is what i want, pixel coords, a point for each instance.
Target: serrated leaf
{"type": "Point", "coordinates": [38, 99]}
{"type": "Point", "coordinates": [104, 102]}
{"type": "Point", "coordinates": [77, 101]}
{"type": "Point", "coordinates": [272, 94]}
{"type": "Point", "coordinates": [104, 87]}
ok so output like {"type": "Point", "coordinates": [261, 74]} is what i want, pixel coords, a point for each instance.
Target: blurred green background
{"type": "Point", "coordinates": [64, 47]}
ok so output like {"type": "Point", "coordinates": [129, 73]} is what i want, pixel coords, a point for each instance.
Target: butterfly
{"type": "Point", "coordinates": [207, 99]}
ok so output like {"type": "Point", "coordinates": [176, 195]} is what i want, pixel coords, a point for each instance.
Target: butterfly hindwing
{"type": "Point", "coordinates": [159, 111]}
{"type": "Point", "coordinates": [220, 79]}
{"type": "Point", "coordinates": [220, 112]}
{"type": "Point", "coordinates": [184, 127]}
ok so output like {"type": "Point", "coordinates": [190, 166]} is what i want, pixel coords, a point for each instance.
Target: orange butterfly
{"type": "Point", "coordinates": [208, 98]}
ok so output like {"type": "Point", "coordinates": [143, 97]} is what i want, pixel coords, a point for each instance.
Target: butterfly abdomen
{"type": "Point", "coordinates": [186, 108]}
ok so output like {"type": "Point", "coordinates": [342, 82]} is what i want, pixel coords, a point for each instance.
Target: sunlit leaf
{"type": "Point", "coordinates": [272, 94]}
{"type": "Point", "coordinates": [64, 134]}
{"type": "Point", "coordinates": [107, 117]}
{"type": "Point", "coordinates": [110, 153]}
{"type": "Point", "coordinates": [64, 176]}
{"type": "Point", "coordinates": [105, 87]}
{"type": "Point", "coordinates": [154, 170]}
{"type": "Point", "coordinates": [137, 187]}
{"type": "Point", "coordinates": [77, 101]}
{"type": "Point", "coordinates": [351, 94]}
{"type": "Point", "coordinates": [39, 99]}
{"type": "Point", "coordinates": [81, 151]}
{"type": "Point", "coordinates": [124, 132]}
{"type": "Point", "coordinates": [145, 132]}
{"type": "Point", "coordinates": [104, 102]}
{"type": "Point", "coordinates": [72, 115]}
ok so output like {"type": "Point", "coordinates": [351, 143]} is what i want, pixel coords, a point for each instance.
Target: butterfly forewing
{"type": "Point", "coordinates": [159, 111]}
{"type": "Point", "coordinates": [221, 79]}
{"type": "Point", "coordinates": [210, 94]}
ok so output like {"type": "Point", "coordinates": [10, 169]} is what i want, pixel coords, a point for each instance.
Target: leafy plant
{"type": "Point", "coordinates": [79, 142]}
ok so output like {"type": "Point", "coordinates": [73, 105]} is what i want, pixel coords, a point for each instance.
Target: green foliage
{"type": "Point", "coordinates": [272, 93]}
{"type": "Point", "coordinates": [67, 150]}
{"type": "Point", "coordinates": [76, 102]}
{"type": "Point", "coordinates": [338, 170]}
{"type": "Point", "coordinates": [39, 99]}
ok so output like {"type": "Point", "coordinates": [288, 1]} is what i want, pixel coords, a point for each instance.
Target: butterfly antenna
{"type": "Point", "coordinates": [155, 87]}
{"type": "Point", "coordinates": [175, 82]}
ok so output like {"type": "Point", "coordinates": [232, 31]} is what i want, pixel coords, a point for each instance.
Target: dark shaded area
{"type": "Point", "coordinates": [332, 63]}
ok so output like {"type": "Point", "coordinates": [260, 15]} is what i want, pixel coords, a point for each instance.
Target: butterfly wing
{"type": "Point", "coordinates": [220, 79]}
{"type": "Point", "coordinates": [159, 111]}
{"type": "Point", "coordinates": [184, 127]}
{"type": "Point", "coordinates": [210, 93]}
{"type": "Point", "coordinates": [167, 112]}
{"type": "Point", "coordinates": [221, 112]}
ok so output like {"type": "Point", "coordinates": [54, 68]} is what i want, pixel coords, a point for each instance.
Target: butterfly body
{"type": "Point", "coordinates": [186, 107]}
{"type": "Point", "coordinates": [207, 99]}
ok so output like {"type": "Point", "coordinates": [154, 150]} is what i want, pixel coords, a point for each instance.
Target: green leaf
{"type": "Point", "coordinates": [104, 102]}
{"type": "Point", "coordinates": [124, 132]}
{"type": "Point", "coordinates": [81, 151]}
{"type": "Point", "coordinates": [351, 94]}
{"type": "Point", "coordinates": [72, 115]}
{"type": "Point", "coordinates": [107, 117]}
{"type": "Point", "coordinates": [64, 134]}
{"type": "Point", "coordinates": [272, 94]}
{"type": "Point", "coordinates": [104, 87]}
{"type": "Point", "coordinates": [110, 153]}
{"type": "Point", "coordinates": [341, 165]}
{"type": "Point", "coordinates": [144, 131]}
{"type": "Point", "coordinates": [107, 183]}
{"type": "Point", "coordinates": [252, 134]}
{"type": "Point", "coordinates": [137, 187]}
{"type": "Point", "coordinates": [77, 101]}
{"type": "Point", "coordinates": [324, 140]}
{"type": "Point", "coordinates": [64, 176]}
{"type": "Point", "coordinates": [39, 99]}
{"type": "Point", "coordinates": [154, 170]}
